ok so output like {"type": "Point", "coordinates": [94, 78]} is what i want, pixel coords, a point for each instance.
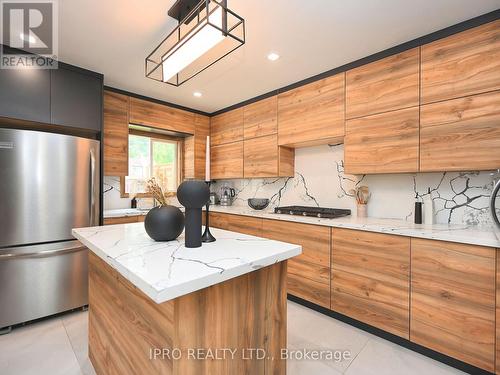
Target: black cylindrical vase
{"type": "Point", "coordinates": [193, 227]}
{"type": "Point", "coordinates": [193, 195]}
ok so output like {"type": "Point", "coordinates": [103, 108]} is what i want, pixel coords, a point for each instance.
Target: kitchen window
{"type": "Point", "coordinates": [150, 156]}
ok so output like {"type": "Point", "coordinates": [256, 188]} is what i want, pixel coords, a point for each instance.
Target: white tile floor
{"type": "Point", "coordinates": [58, 346]}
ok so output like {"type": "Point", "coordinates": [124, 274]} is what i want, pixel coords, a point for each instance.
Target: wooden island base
{"type": "Point", "coordinates": [240, 314]}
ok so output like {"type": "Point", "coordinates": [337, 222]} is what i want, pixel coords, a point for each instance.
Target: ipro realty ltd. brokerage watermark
{"type": "Point", "coordinates": [29, 34]}
{"type": "Point", "coordinates": [223, 354]}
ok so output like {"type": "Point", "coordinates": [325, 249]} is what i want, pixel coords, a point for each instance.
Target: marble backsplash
{"type": "Point", "coordinates": [459, 197]}
{"type": "Point", "coordinates": [114, 201]}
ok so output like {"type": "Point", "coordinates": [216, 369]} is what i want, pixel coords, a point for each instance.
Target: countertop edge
{"type": "Point", "coordinates": [190, 286]}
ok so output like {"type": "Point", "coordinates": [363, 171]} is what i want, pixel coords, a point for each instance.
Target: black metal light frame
{"type": "Point", "coordinates": [202, 13]}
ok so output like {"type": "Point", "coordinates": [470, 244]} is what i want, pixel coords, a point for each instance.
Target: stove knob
{"type": "Point", "coordinates": [291, 212]}
{"type": "Point", "coordinates": [319, 214]}
{"type": "Point", "coordinates": [304, 213]}
{"type": "Point", "coordinates": [278, 212]}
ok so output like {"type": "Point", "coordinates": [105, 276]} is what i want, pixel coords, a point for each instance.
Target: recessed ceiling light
{"type": "Point", "coordinates": [197, 94]}
{"type": "Point", "coordinates": [27, 38]}
{"type": "Point", "coordinates": [273, 56]}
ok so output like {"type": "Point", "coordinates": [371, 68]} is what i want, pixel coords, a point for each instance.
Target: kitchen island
{"type": "Point", "coordinates": [161, 308]}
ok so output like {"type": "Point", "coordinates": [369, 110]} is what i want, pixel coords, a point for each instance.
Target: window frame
{"type": "Point", "coordinates": [180, 159]}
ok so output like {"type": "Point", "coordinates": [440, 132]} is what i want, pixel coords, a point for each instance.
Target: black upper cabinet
{"type": "Point", "coordinates": [25, 94]}
{"type": "Point", "coordinates": [76, 98]}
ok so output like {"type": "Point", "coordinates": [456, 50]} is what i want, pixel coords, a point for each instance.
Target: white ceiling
{"type": "Point", "coordinates": [114, 37]}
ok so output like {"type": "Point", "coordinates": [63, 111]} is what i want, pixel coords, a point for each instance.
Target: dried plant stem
{"type": "Point", "coordinates": [157, 192]}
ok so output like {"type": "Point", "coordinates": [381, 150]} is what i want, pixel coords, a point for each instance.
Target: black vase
{"type": "Point", "coordinates": [193, 194]}
{"type": "Point", "coordinates": [164, 223]}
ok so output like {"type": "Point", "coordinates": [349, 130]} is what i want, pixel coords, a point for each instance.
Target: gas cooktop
{"type": "Point", "coordinates": [329, 213]}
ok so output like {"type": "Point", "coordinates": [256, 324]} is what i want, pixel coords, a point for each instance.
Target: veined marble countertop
{"type": "Point", "coordinates": [124, 212]}
{"type": "Point", "coordinates": [466, 234]}
{"type": "Point", "coordinates": [166, 270]}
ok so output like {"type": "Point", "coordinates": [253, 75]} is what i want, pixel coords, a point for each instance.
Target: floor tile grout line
{"type": "Point", "coordinates": [357, 355]}
{"type": "Point", "coordinates": [72, 346]}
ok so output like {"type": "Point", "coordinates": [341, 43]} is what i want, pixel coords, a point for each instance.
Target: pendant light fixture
{"type": "Point", "coordinates": [207, 31]}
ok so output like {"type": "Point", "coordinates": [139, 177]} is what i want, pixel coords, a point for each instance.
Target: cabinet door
{"type": "Point", "coordinates": [383, 143]}
{"type": "Point", "coordinates": [260, 118]}
{"type": "Point", "coordinates": [261, 157]}
{"type": "Point", "coordinates": [226, 161]}
{"type": "Point", "coordinates": [463, 64]}
{"type": "Point", "coordinates": [25, 94]}
{"type": "Point", "coordinates": [461, 134]}
{"type": "Point", "coordinates": [227, 127]}
{"type": "Point", "coordinates": [313, 113]}
{"type": "Point", "coordinates": [236, 223]}
{"type": "Point", "coordinates": [121, 220]}
{"type": "Point", "coordinates": [453, 300]}
{"type": "Point", "coordinates": [371, 278]}
{"type": "Point", "coordinates": [155, 115]}
{"type": "Point", "coordinates": [195, 148]}
{"type": "Point", "coordinates": [384, 85]}
{"type": "Point", "coordinates": [308, 274]}
{"type": "Point", "coordinates": [76, 99]}
{"type": "Point", "coordinates": [115, 136]}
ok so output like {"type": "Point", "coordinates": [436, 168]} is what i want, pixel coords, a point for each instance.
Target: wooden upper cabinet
{"type": "Point", "coordinates": [313, 113]}
{"type": "Point", "coordinates": [371, 279]}
{"type": "Point", "coordinates": [226, 161]}
{"type": "Point", "coordinates": [260, 118]}
{"type": "Point", "coordinates": [453, 300]}
{"type": "Point", "coordinates": [195, 148]}
{"type": "Point", "coordinates": [115, 134]}
{"type": "Point", "coordinates": [383, 143]}
{"type": "Point", "coordinates": [384, 85]}
{"type": "Point", "coordinates": [201, 131]}
{"type": "Point", "coordinates": [263, 158]}
{"type": "Point", "coordinates": [461, 134]}
{"type": "Point", "coordinates": [155, 115]}
{"type": "Point", "coordinates": [463, 64]}
{"type": "Point", "coordinates": [227, 127]}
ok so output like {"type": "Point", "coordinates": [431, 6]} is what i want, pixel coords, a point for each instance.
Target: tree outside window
{"type": "Point", "coordinates": [152, 157]}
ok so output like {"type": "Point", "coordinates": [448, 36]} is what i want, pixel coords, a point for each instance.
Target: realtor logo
{"type": "Point", "coordinates": [29, 34]}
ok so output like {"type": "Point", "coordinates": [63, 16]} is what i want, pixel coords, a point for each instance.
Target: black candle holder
{"type": "Point", "coordinates": [207, 236]}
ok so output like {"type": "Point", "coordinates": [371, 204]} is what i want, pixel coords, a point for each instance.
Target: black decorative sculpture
{"type": "Point", "coordinates": [207, 236]}
{"type": "Point", "coordinates": [164, 223]}
{"type": "Point", "coordinates": [193, 195]}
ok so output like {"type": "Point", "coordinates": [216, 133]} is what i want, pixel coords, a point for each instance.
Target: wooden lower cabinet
{"type": "Point", "coordinates": [308, 273]}
{"type": "Point", "coordinates": [236, 223]}
{"type": "Point", "coordinates": [123, 219]}
{"type": "Point", "coordinates": [371, 278]}
{"type": "Point", "coordinates": [453, 300]}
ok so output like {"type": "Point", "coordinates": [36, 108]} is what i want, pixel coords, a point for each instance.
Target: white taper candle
{"type": "Point", "coordinates": [207, 160]}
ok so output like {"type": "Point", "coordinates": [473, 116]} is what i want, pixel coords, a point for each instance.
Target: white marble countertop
{"type": "Point", "coordinates": [453, 233]}
{"type": "Point", "coordinates": [166, 270]}
{"type": "Point", "coordinates": [124, 212]}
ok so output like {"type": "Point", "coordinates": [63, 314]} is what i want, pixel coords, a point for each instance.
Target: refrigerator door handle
{"type": "Point", "coordinates": [92, 188]}
{"type": "Point", "coordinates": [42, 254]}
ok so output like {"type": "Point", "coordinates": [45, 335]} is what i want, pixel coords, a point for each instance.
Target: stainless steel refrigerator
{"type": "Point", "coordinates": [49, 184]}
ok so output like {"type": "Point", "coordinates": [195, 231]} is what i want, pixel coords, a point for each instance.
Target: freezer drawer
{"type": "Point", "coordinates": [37, 281]}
